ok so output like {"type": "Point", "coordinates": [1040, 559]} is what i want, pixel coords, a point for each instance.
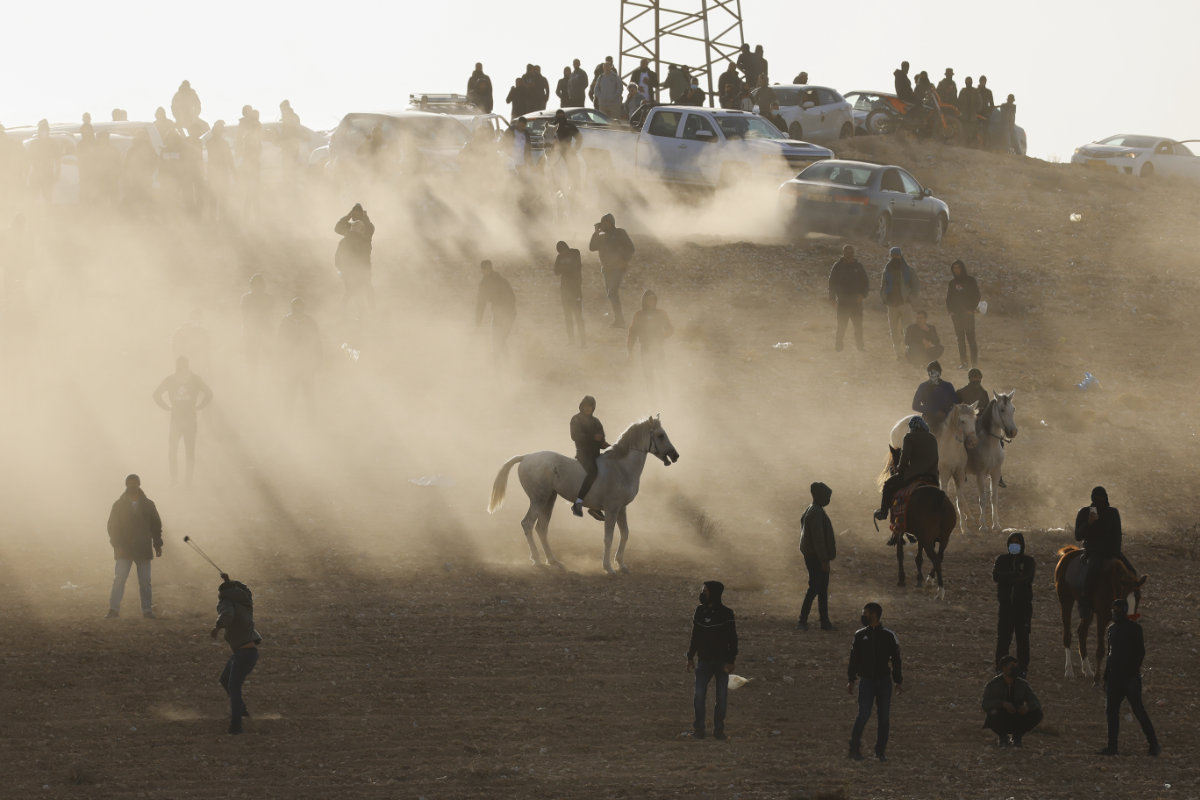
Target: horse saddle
{"type": "Point", "coordinates": [900, 506]}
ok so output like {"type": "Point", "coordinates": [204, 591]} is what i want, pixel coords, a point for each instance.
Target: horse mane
{"type": "Point", "coordinates": [632, 435]}
{"type": "Point", "coordinates": [983, 418]}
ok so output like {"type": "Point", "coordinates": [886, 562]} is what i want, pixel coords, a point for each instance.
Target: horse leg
{"type": "Point", "coordinates": [1066, 602]}
{"type": "Point", "coordinates": [900, 560]}
{"type": "Point", "coordinates": [543, 531]}
{"type": "Point", "coordinates": [920, 560]}
{"type": "Point", "coordinates": [623, 526]}
{"type": "Point", "coordinates": [994, 480]}
{"type": "Point", "coordinates": [1084, 660]}
{"type": "Point", "coordinates": [959, 479]}
{"type": "Point", "coordinates": [610, 521]}
{"type": "Point", "coordinates": [936, 558]}
{"type": "Point", "coordinates": [527, 523]}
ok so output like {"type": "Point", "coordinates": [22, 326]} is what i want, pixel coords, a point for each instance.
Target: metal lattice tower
{"type": "Point", "coordinates": [696, 38]}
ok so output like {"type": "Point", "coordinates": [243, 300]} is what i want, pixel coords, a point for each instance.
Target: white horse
{"type": "Point", "coordinates": [995, 427]}
{"type": "Point", "coordinates": [955, 438]}
{"type": "Point", "coordinates": [545, 476]}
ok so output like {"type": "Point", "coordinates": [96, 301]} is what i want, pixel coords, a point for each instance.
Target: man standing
{"type": "Point", "coordinates": [962, 298]}
{"type": "Point", "coordinates": [847, 290]}
{"type": "Point", "coordinates": [479, 89]}
{"type": "Point", "coordinates": [1012, 708]}
{"type": "Point", "coordinates": [714, 640]}
{"type": "Point", "coordinates": [258, 310]}
{"type": "Point", "coordinates": [568, 140]}
{"type": "Point", "coordinates": [1013, 573]}
{"type": "Point", "coordinates": [947, 89]}
{"type": "Point", "coordinates": [1008, 125]}
{"type": "Point", "coordinates": [647, 79]}
{"type": "Point", "coordinates": [1123, 677]}
{"type": "Point", "coordinates": [974, 392]}
{"type": "Point", "coordinates": [898, 290]}
{"type": "Point", "coordinates": [353, 258]}
{"type": "Point", "coordinates": [187, 394]}
{"type": "Point", "coordinates": [299, 354]}
{"type": "Point", "coordinates": [235, 613]}
{"type": "Point", "coordinates": [651, 327]}
{"type": "Point", "coordinates": [577, 86]}
{"type": "Point", "coordinates": [587, 433]}
{"type": "Point", "coordinates": [615, 249]}
{"type": "Point", "coordinates": [134, 528]}
{"type": "Point", "coordinates": [729, 87]}
{"type": "Point", "coordinates": [520, 98]}
{"type": "Point", "coordinates": [875, 658]}
{"type": "Point", "coordinates": [968, 109]}
{"type": "Point", "coordinates": [569, 267]}
{"type": "Point", "coordinates": [496, 290]}
{"type": "Point", "coordinates": [934, 398]}
{"type": "Point", "coordinates": [608, 91]}
{"type": "Point", "coordinates": [987, 104]}
{"type": "Point", "coordinates": [819, 547]}
{"type": "Point", "coordinates": [563, 90]}
{"type": "Point", "coordinates": [921, 341]}
{"type": "Point", "coordinates": [904, 89]}
{"type": "Point", "coordinates": [540, 86]}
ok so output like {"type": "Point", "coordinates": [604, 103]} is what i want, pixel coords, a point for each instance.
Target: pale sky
{"type": "Point", "coordinates": [1080, 71]}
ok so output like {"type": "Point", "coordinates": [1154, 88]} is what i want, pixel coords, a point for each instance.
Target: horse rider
{"type": "Point", "coordinates": [918, 461]}
{"type": "Point", "coordinates": [934, 398]}
{"type": "Point", "coordinates": [974, 392]}
{"type": "Point", "coordinates": [588, 434]}
{"type": "Point", "coordinates": [1098, 526]}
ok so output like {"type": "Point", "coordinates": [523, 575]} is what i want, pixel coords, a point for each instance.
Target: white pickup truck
{"type": "Point", "coordinates": [696, 146]}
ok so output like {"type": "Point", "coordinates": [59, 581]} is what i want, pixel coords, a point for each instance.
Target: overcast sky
{"type": "Point", "coordinates": [1080, 71]}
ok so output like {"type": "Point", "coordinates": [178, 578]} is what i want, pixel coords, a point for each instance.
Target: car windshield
{"type": "Point", "coordinates": [787, 97]}
{"type": "Point", "coordinates": [841, 174]}
{"type": "Point", "coordinates": [748, 128]}
{"type": "Point", "coordinates": [1140, 142]}
{"type": "Point", "coordinates": [865, 102]}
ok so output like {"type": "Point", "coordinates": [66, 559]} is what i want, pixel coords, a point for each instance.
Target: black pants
{"type": "Point", "coordinates": [589, 467]}
{"type": "Point", "coordinates": [572, 304]}
{"type": "Point", "coordinates": [964, 330]}
{"type": "Point", "coordinates": [1131, 690]}
{"type": "Point", "coordinates": [818, 588]}
{"type": "Point", "coordinates": [233, 676]}
{"type": "Point", "coordinates": [1017, 725]}
{"type": "Point", "coordinates": [1014, 620]}
{"type": "Point", "coordinates": [846, 314]}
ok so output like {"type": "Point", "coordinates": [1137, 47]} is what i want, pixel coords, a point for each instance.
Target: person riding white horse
{"type": "Point", "coordinates": [934, 398]}
{"type": "Point", "coordinates": [918, 461]}
{"type": "Point", "coordinates": [588, 434]}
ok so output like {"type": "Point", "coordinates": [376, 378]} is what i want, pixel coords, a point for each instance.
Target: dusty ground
{"type": "Point", "coordinates": [411, 651]}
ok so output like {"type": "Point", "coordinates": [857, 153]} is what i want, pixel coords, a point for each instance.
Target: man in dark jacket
{"type": "Point", "coordinates": [714, 641]}
{"type": "Point", "coordinates": [1013, 573]}
{"type": "Point", "coordinates": [921, 341]}
{"type": "Point", "coordinates": [235, 614]}
{"type": "Point", "coordinates": [569, 267]}
{"type": "Point", "coordinates": [521, 98]}
{"type": "Point", "coordinates": [968, 110]}
{"type": "Point", "coordinates": [934, 398]}
{"type": "Point", "coordinates": [847, 290]}
{"type": "Point", "coordinates": [748, 64]}
{"type": "Point", "coordinates": [1098, 527]}
{"type": "Point", "coordinates": [974, 392]}
{"type": "Point", "coordinates": [1008, 125]}
{"type": "Point", "coordinates": [538, 85]}
{"type": "Point", "coordinates": [962, 298]}
{"type": "Point", "coordinates": [899, 288]}
{"type": "Point", "coordinates": [904, 89]}
{"type": "Point", "coordinates": [875, 658]}
{"type": "Point", "coordinates": [479, 89]}
{"type": "Point", "coordinates": [1012, 708]}
{"type": "Point", "coordinates": [947, 89]}
{"type": "Point", "coordinates": [1123, 677]}
{"type": "Point", "coordinates": [495, 290]}
{"type": "Point", "coordinates": [577, 86]}
{"type": "Point", "coordinates": [918, 461]}
{"type": "Point", "coordinates": [615, 249]}
{"type": "Point", "coordinates": [587, 433]}
{"type": "Point", "coordinates": [353, 256]}
{"type": "Point", "coordinates": [135, 532]}
{"type": "Point", "coordinates": [729, 87]}
{"type": "Point", "coordinates": [819, 547]}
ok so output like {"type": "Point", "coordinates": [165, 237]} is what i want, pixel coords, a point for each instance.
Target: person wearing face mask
{"type": "Point", "coordinates": [715, 643]}
{"type": "Point", "coordinates": [1012, 708]}
{"type": "Point", "coordinates": [693, 95]}
{"type": "Point", "coordinates": [875, 658]}
{"type": "Point", "coordinates": [934, 398]}
{"type": "Point", "coordinates": [819, 547]}
{"type": "Point", "coordinates": [1123, 677]}
{"type": "Point", "coordinates": [918, 462]}
{"type": "Point", "coordinates": [1013, 573]}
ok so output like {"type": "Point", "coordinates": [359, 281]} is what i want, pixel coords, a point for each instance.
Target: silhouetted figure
{"type": "Point", "coordinates": [186, 394]}
{"type": "Point", "coordinates": [221, 171]}
{"type": "Point", "coordinates": [235, 614]}
{"type": "Point", "coordinates": [847, 289]}
{"type": "Point", "coordinates": [587, 432]}
{"type": "Point", "coordinates": [567, 143]}
{"type": "Point", "coordinates": [676, 83]}
{"type": "Point", "coordinates": [899, 287]}
{"type": "Point", "coordinates": [729, 87]}
{"type": "Point", "coordinates": [801, 79]}
{"type": "Point", "coordinates": [568, 265]}
{"type": "Point", "coordinates": [249, 151]}
{"type": "Point", "coordinates": [291, 138]}
{"type": "Point", "coordinates": [615, 249]}
{"type": "Point", "coordinates": [577, 86]}
{"type": "Point", "coordinates": [921, 342]}
{"type": "Point", "coordinates": [693, 95]}
{"type": "Point", "coordinates": [120, 115]}
{"type": "Point", "coordinates": [947, 89]}
{"type": "Point", "coordinates": [968, 108]}
{"type": "Point", "coordinates": [987, 104]}
{"type": "Point", "coordinates": [539, 87]}
{"type": "Point", "coordinates": [84, 153]}
{"type": "Point", "coordinates": [563, 90]}
{"type": "Point", "coordinates": [496, 291]}
{"type": "Point", "coordinates": [596, 73]}
{"type": "Point", "coordinates": [353, 259]}
{"type": "Point", "coordinates": [299, 343]}
{"type": "Point", "coordinates": [191, 340]}
{"type": "Point", "coordinates": [479, 89]}
{"type": "Point", "coordinates": [1008, 123]}
{"type": "Point", "coordinates": [520, 98]}
{"type": "Point", "coordinates": [904, 89]}
{"type": "Point", "coordinates": [651, 327]}
{"type": "Point", "coordinates": [258, 320]}
{"type": "Point", "coordinates": [646, 79]}
{"type": "Point", "coordinates": [135, 533]}
{"type": "Point", "coordinates": [747, 64]}
{"type": "Point", "coordinates": [760, 64]}
{"type": "Point", "coordinates": [137, 178]}
{"type": "Point", "coordinates": [185, 108]}
{"type": "Point", "coordinates": [608, 90]}
{"type": "Point", "coordinates": [45, 163]}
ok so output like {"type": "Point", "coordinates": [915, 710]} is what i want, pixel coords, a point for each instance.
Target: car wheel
{"type": "Point", "coordinates": [883, 230]}
{"type": "Point", "coordinates": [847, 131]}
{"type": "Point", "coordinates": [1147, 171]}
{"type": "Point", "coordinates": [939, 230]}
{"type": "Point", "coordinates": [795, 131]}
{"type": "Point", "coordinates": [880, 122]}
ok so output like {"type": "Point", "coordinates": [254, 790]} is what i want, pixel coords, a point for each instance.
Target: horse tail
{"type": "Point", "coordinates": [886, 472]}
{"type": "Point", "coordinates": [1066, 549]}
{"type": "Point", "coordinates": [500, 486]}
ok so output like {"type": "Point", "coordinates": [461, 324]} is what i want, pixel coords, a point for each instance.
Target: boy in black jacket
{"type": "Point", "coordinates": [235, 613]}
{"type": "Point", "coordinates": [875, 658]}
{"type": "Point", "coordinates": [714, 640]}
{"type": "Point", "coordinates": [1013, 574]}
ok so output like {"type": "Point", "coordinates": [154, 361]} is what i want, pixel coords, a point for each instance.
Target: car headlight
{"type": "Point", "coordinates": [1078, 150]}
{"type": "Point", "coordinates": [1130, 155]}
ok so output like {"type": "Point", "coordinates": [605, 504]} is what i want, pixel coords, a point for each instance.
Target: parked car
{"type": "Point", "coordinates": [1140, 155]}
{"type": "Point", "coordinates": [459, 107]}
{"type": "Point", "coordinates": [408, 140]}
{"type": "Point", "coordinates": [855, 198]}
{"type": "Point", "coordinates": [696, 146]}
{"type": "Point", "coordinates": [861, 104]}
{"type": "Point", "coordinates": [812, 113]}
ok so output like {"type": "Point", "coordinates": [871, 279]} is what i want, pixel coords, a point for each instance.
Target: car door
{"type": "Point", "coordinates": [696, 148]}
{"type": "Point", "coordinates": [661, 153]}
{"type": "Point", "coordinates": [1189, 162]}
{"type": "Point", "coordinates": [810, 114]}
{"type": "Point", "coordinates": [921, 210]}
{"type": "Point", "coordinates": [894, 200]}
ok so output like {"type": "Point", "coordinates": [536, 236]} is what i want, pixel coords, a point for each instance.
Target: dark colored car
{"type": "Point", "coordinates": [859, 199]}
{"type": "Point", "coordinates": [539, 122]}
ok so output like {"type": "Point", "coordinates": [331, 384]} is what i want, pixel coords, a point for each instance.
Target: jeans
{"type": "Point", "coordinates": [899, 318]}
{"type": "Point", "coordinates": [818, 588]}
{"type": "Point", "coordinates": [233, 676]}
{"type": "Point", "coordinates": [182, 427]}
{"type": "Point", "coordinates": [1129, 689]}
{"type": "Point", "coordinates": [572, 304]}
{"type": "Point", "coordinates": [123, 566]}
{"type": "Point", "coordinates": [878, 693]}
{"type": "Point", "coordinates": [1013, 620]}
{"type": "Point", "coordinates": [612, 288]}
{"type": "Point", "coordinates": [964, 331]}
{"type": "Point", "coordinates": [847, 313]}
{"type": "Point", "coordinates": [706, 671]}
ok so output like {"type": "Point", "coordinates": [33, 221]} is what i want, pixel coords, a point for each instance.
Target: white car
{"type": "Point", "coordinates": [812, 113]}
{"type": "Point", "coordinates": [1144, 156]}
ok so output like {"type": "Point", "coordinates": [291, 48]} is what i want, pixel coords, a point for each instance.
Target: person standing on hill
{"type": "Point", "coordinates": [968, 109]}
{"type": "Point", "coordinates": [715, 642]}
{"type": "Point", "coordinates": [479, 89]}
{"type": "Point", "coordinates": [135, 533]}
{"type": "Point", "coordinates": [587, 432]}
{"type": "Point", "coordinates": [1008, 124]}
{"type": "Point", "coordinates": [898, 289]}
{"type": "Point", "coordinates": [569, 267]}
{"type": "Point", "coordinates": [494, 289]}
{"type": "Point", "coordinates": [875, 658]}
{"type": "Point", "coordinates": [819, 547]}
{"type": "Point", "coordinates": [577, 86]}
{"type": "Point", "coordinates": [947, 89]}
{"type": "Point", "coordinates": [847, 290]}
{"type": "Point", "coordinates": [353, 258]}
{"type": "Point", "coordinates": [1123, 677]}
{"type": "Point", "coordinates": [615, 249]}
{"type": "Point", "coordinates": [904, 89]}
{"type": "Point", "coordinates": [1013, 573]}
{"type": "Point", "coordinates": [651, 327]}
{"type": "Point", "coordinates": [962, 300]}
{"type": "Point", "coordinates": [187, 394]}
{"type": "Point", "coordinates": [258, 314]}
{"type": "Point", "coordinates": [987, 104]}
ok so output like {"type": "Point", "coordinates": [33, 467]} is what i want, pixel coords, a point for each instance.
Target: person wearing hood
{"type": "Point", "coordinates": [1012, 708]}
{"type": "Point", "coordinates": [569, 267]}
{"type": "Point", "coordinates": [1098, 527]}
{"type": "Point", "coordinates": [711, 655]}
{"type": "Point", "coordinates": [495, 290]}
{"type": "Point", "coordinates": [934, 397]}
{"type": "Point", "coordinates": [847, 290]}
{"type": "Point", "coordinates": [918, 462]}
{"type": "Point", "coordinates": [818, 547]}
{"type": "Point", "coordinates": [135, 533]}
{"type": "Point", "coordinates": [875, 658]}
{"type": "Point", "coordinates": [1013, 573]}
{"type": "Point", "coordinates": [587, 432]}
{"type": "Point", "coordinates": [615, 249]}
{"type": "Point", "coordinates": [479, 89]}
{"type": "Point", "coordinates": [651, 327]}
{"type": "Point", "coordinates": [185, 107]}
{"type": "Point", "coordinates": [962, 298]}
{"type": "Point", "coordinates": [904, 89]}
{"type": "Point", "coordinates": [898, 290]}
{"type": "Point", "coordinates": [606, 89]}
{"type": "Point", "coordinates": [235, 615]}
{"type": "Point", "coordinates": [353, 256]}
{"type": "Point", "coordinates": [1123, 677]}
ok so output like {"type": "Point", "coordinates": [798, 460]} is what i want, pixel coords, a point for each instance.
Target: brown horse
{"type": "Point", "coordinates": [930, 519]}
{"type": "Point", "coordinates": [1115, 581]}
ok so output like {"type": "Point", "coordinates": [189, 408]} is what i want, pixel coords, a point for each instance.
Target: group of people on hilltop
{"type": "Point", "coordinates": [975, 106]}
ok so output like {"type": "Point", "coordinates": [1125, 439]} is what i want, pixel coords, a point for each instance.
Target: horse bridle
{"type": "Point", "coordinates": [988, 428]}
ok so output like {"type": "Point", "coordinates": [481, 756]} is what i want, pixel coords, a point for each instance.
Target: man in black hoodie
{"type": "Point", "coordinates": [134, 529]}
{"type": "Point", "coordinates": [615, 249]}
{"type": "Point", "coordinates": [353, 256]}
{"type": "Point", "coordinates": [874, 657]}
{"type": "Point", "coordinates": [235, 613]}
{"type": "Point", "coordinates": [848, 288]}
{"type": "Point", "coordinates": [714, 640]}
{"type": "Point", "coordinates": [1013, 573]}
{"type": "Point", "coordinates": [962, 298]}
{"type": "Point", "coordinates": [904, 89]}
{"type": "Point", "coordinates": [819, 547]}
{"type": "Point", "coordinates": [1098, 526]}
{"type": "Point", "coordinates": [1123, 677]}
{"type": "Point", "coordinates": [569, 267]}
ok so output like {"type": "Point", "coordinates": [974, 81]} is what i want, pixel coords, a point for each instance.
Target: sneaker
{"type": "Point", "coordinates": [801, 625]}
{"type": "Point", "coordinates": [149, 614]}
{"type": "Point", "coordinates": [720, 736]}
{"type": "Point", "coordinates": [1001, 483]}
{"type": "Point", "coordinates": [596, 514]}
{"type": "Point", "coordinates": [1016, 739]}
{"type": "Point", "coordinates": [855, 754]}
{"type": "Point", "coordinates": [1108, 751]}
{"type": "Point", "coordinates": [112, 614]}
{"type": "Point", "coordinates": [577, 508]}
{"type": "Point", "coordinates": [963, 365]}
{"type": "Point", "coordinates": [1155, 749]}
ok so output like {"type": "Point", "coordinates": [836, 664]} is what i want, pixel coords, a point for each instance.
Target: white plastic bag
{"type": "Point", "coordinates": [982, 307]}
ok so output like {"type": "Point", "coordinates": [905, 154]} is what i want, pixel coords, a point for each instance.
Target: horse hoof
{"type": "Point", "coordinates": [558, 565]}
{"type": "Point", "coordinates": [609, 571]}
{"type": "Point", "coordinates": [624, 569]}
